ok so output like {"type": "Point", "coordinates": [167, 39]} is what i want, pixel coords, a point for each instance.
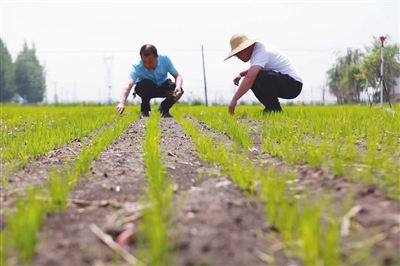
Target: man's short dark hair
{"type": "Point", "coordinates": [147, 50]}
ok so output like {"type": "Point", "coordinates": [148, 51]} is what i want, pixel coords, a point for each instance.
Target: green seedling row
{"type": "Point", "coordinates": [30, 131]}
{"type": "Point", "coordinates": [359, 142]}
{"type": "Point", "coordinates": [158, 245]}
{"type": "Point", "coordinates": [220, 120]}
{"type": "Point", "coordinates": [305, 234]}
{"type": "Point", "coordinates": [19, 236]}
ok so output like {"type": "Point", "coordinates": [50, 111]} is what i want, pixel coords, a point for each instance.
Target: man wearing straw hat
{"type": "Point", "coordinates": [270, 75]}
{"type": "Point", "coordinates": [150, 74]}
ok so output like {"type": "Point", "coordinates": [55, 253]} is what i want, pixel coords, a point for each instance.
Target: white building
{"type": "Point", "coordinates": [396, 90]}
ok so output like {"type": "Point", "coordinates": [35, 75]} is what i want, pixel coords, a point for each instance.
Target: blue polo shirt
{"type": "Point", "coordinates": [158, 75]}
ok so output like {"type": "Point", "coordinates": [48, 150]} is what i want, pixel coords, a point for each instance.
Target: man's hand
{"type": "Point", "coordinates": [232, 106]}
{"type": "Point", "coordinates": [237, 79]}
{"type": "Point", "coordinates": [120, 108]}
{"type": "Point", "coordinates": [177, 93]}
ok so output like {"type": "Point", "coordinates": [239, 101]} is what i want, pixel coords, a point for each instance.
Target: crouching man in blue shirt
{"type": "Point", "coordinates": [150, 74]}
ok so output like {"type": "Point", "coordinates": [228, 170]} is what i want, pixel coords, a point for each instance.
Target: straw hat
{"type": "Point", "coordinates": [239, 42]}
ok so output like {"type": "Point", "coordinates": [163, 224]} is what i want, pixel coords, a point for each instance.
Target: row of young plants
{"type": "Point", "coordinates": [359, 142]}
{"type": "Point", "coordinates": [308, 226]}
{"type": "Point", "coordinates": [299, 220]}
{"type": "Point", "coordinates": [30, 131]}
{"type": "Point", "coordinates": [159, 244]}
{"type": "Point", "coordinates": [23, 221]}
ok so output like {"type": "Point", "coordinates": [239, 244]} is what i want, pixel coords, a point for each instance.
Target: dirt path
{"type": "Point", "coordinates": [218, 224]}
{"type": "Point", "coordinates": [115, 182]}
{"type": "Point", "coordinates": [376, 226]}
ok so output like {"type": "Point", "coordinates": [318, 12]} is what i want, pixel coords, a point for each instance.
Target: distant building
{"type": "Point", "coordinates": [18, 99]}
{"type": "Point", "coordinates": [396, 90]}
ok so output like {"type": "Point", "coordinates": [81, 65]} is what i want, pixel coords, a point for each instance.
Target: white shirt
{"type": "Point", "coordinates": [270, 58]}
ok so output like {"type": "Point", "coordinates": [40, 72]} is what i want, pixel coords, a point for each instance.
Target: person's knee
{"type": "Point", "coordinates": [145, 88]}
{"type": "Point", "coordinates": [297, 89]}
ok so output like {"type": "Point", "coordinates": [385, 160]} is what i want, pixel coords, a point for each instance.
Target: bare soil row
{"type": "Point", "coordinates": [217, 224]}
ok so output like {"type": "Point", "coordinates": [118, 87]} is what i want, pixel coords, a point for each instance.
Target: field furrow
{"type": "Point", "coordinates": [312, 185]}
{"type": "Point", "coordinates": [218, 223]}
{"type": "Point", "coordinates": [108, 193]}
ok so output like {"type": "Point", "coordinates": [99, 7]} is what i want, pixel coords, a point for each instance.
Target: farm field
{"type": "Point", "coordinates": [313, 185]}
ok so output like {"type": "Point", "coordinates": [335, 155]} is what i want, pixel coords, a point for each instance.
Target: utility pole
{"type": "Point", "coordinates": [108, 82]}
{"type": "Point", "coordinates": [204, 75]}
{"type": "Point", "coordinates": [74, 93]}
{"type": "Point", "coordinates": [55, 93]}
{"type": "Point", "coordinates": [381, 61]}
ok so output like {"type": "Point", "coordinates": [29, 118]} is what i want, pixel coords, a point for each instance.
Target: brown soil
{"type": "Point", "coordinates": [217, 223]}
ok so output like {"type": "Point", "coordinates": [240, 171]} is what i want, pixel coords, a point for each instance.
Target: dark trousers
{"type": "Point", "coordinates": [269, 85]}
{"type": "Point", "coordinates": [148, 90]}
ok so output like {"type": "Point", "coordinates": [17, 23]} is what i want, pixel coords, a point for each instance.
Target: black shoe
{"type": "Point", "coordinates": [167, 114]}
{"type": "Point", "coordinates": [144, 114]}
{"type": "Point", "coordinates": [267, 111]}
{"type": "Point", "coordinates": [164, 114]}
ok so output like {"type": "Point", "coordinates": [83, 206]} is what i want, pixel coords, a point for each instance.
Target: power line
{"type": "Point", "coordinates": [104, 51]}
{"type": "Point", "coordinates": [328, 49]}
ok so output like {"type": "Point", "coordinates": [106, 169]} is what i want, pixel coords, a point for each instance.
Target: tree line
{"type": "Point", "coordinates": [348, 76]}
{"type": "Point", "coordinates": [23, 79]}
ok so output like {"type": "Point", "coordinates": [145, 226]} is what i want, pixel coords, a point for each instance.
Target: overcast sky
{"type": "Point", "coordinates": [83, 44]}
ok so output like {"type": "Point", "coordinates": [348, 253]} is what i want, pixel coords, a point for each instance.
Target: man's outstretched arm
{"type": "Point", "coordinates": [124, 95]}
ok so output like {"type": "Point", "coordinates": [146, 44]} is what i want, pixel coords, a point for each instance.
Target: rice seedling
{"type": "Point", "coordinates": [157, 247]}
{"type": "Point", "coordinates": [30, 210]}
{"type": "Point", "coordinates": [307, 223]}
{"type": "Point", "coordinates": [23, 223]}
{"type": "Point", "coordinates": [359, 142]}
{"type": "Point", "coordinates": [41, 129]}
{"type": "Point", "coordinates": [338, 139]}
{"type": "Point", "coordinates": [221, 121]}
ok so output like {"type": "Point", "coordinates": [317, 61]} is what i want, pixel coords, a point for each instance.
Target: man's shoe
{"type": "Point", "coordinates": [144, 114]}
{"type": "Point", "coordinates": [267, 111]}
{"type": "Point", "coordinates": [164, 114]}
{"type": "Point", "coordinates": [167, 114]}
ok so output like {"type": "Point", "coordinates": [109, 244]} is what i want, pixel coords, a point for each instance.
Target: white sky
{"type": "Point", "coordinates": [75, 39]}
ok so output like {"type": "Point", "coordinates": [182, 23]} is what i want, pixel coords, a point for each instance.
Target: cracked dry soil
{"type": "Point", "coordinates": [217, 224]}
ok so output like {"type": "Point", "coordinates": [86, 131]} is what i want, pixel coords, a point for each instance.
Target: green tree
{"type": "Point", "coordinates": [391, 65]}
{"type": "Point", "coordinates": [30, 76]}
{"type": "Point", "coordinates": [7, 86]}
{"type": "Point", "coordinates": [343, 78]}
